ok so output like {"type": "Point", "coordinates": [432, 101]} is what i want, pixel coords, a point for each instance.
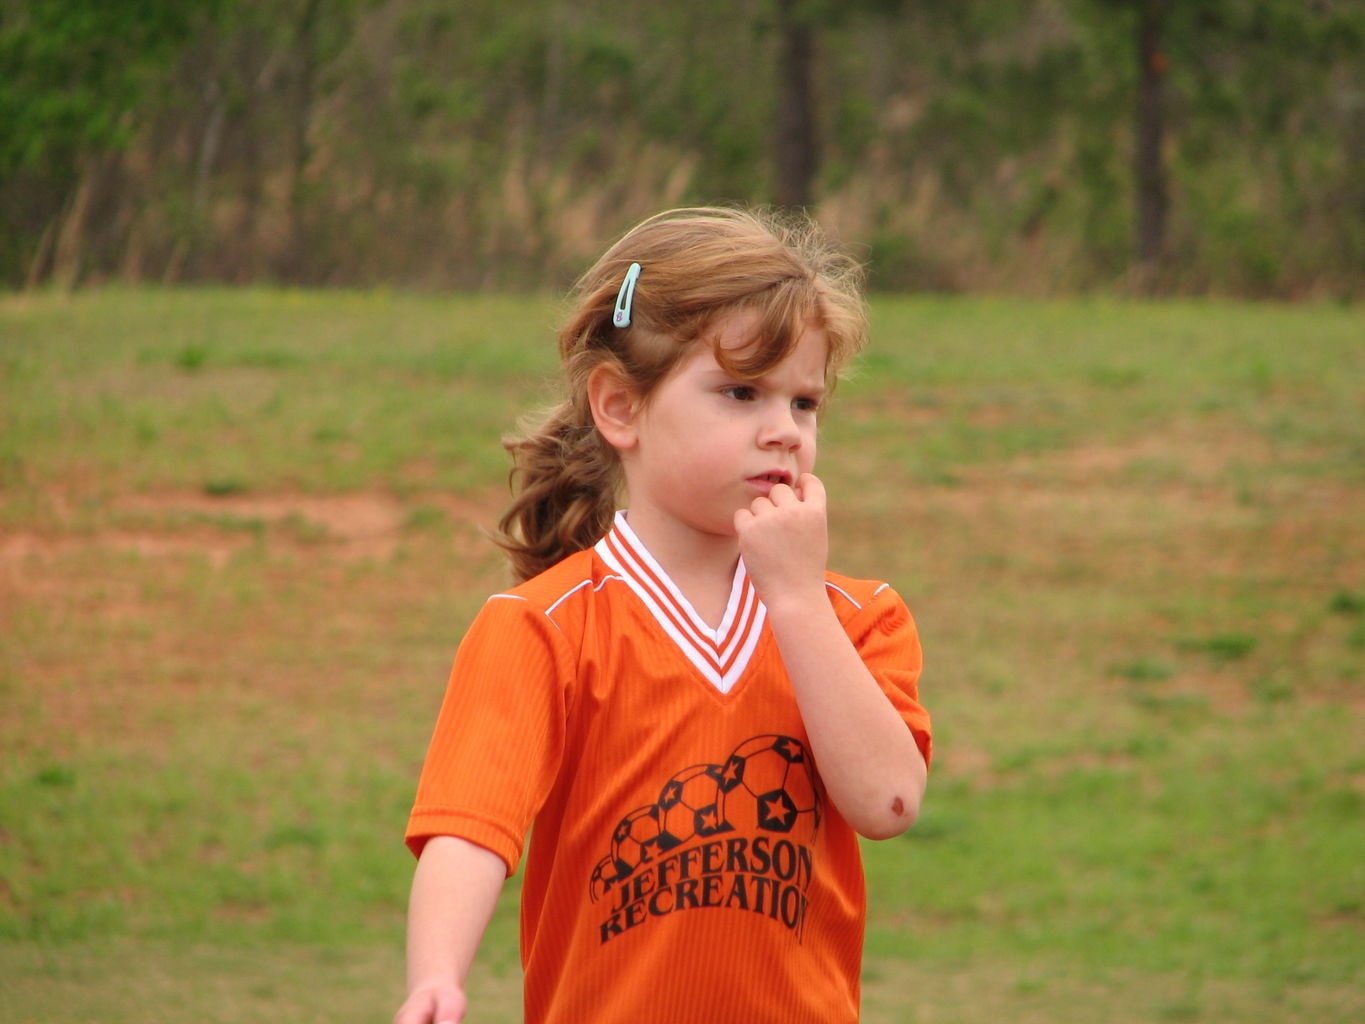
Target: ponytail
{"type": "Point", "coordinates": [565, 479]}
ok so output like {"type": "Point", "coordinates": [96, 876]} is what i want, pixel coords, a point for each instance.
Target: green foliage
{"type": "Point", "coordinates": [73, 73]}
{"type": "Point", "coordinates": [973, 145]}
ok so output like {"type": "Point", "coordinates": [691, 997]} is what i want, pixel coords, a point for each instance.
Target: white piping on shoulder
{"type": "Point", "coordinates": [549, 612]}
{"type": "Point", "coordinates": [847, 596]}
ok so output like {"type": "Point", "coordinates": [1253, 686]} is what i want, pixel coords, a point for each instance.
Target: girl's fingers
{"type": "Point", "coordinates": [810, 488]}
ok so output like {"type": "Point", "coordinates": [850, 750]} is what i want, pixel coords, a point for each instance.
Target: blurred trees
{"type": "Point", "coordinates": [73, 73]}
{"type": "Point", "coordinates": [1205, 145]}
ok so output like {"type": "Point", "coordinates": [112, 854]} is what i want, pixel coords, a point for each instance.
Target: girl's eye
{"type": "Point", "coordinates": [739, 392]}
{"type": "Point", "coordinates": [806, 405]}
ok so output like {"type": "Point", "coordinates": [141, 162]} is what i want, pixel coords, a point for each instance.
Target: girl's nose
{"type": "Point", "coordinates": [780, 430]}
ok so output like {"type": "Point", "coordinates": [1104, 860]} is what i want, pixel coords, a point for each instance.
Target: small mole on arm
{"type": "Point", "coordinates": [897, 807]}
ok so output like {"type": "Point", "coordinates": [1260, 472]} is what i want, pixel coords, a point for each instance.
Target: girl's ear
{"type": "Point", "coordinates": [615, 407]}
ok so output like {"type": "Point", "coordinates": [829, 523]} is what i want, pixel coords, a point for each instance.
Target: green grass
{"type": "Point", "coordinates": [239, 540]}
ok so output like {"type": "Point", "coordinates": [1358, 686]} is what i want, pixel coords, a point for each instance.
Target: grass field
{"type": "Point", "coordinates": [239, 541]}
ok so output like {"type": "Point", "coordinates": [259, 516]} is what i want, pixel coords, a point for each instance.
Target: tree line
{"type": "Point", "coordinates": [1171, 146]}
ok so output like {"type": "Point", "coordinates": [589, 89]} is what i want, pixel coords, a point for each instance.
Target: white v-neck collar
{"type": "Point", "coordinates": [722, 654]}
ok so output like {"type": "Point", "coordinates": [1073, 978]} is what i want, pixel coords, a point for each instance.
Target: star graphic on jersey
{"type": "Point", "coordinates": [790, 749]}
{"type": "Point", "coordinates": [671, 795]}
{"type": "Point", "coordinates": [776, 809]}
{"type": "Point", "coordinates": [733, 770]}
{"type": "Point", "coordinates": [707, 818]}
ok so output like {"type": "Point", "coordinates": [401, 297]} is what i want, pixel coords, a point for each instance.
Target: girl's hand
{"type": "Point", "coordinates": [436, 1004]}
{"type": "Point", "coordinates": [784, 541]}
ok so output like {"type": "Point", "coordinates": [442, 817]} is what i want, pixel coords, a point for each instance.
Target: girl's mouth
{"type": "Point", "coordinates": [772, 479]}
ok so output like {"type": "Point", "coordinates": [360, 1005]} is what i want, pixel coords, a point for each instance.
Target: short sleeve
{"type": "Point", "coordinates": [884, 633]}
{"type": "Point", "coordinates": [499, 737]}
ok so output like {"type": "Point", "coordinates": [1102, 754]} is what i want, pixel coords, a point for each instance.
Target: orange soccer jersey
{"type": "Point", "coordinates": [685, 864]}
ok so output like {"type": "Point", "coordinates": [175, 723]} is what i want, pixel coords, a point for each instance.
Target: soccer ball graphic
{"type": "Point", "coordinates": [688, 806]}
{"type": "Point", "coordinates": [768, 785]}
{"type": "Point", "coordinates": [636, 840]}
{"type": "Point", "coordinates": [604, 876]}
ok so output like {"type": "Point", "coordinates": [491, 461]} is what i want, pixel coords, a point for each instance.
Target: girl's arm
{"type": "Point", "coordinates": [869, 761]}
{"type": "Point", "coordinates": [454, 890]}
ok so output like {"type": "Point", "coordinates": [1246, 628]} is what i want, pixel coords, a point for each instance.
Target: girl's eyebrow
{"type": "Point", "coordinates": [721, 375]}
{"type": "Point", "coordinates": [814, 390]}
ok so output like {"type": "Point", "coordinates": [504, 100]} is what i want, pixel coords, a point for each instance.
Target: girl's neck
{"type": "Point", "coordinates": [701, 565]}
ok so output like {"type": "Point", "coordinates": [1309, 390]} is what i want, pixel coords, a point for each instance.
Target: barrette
{"type": "Point", "coordinates": [620, 316]}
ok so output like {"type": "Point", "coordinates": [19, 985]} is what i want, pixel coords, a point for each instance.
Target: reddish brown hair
{"type": "Point", "coordinates": [698, 265]}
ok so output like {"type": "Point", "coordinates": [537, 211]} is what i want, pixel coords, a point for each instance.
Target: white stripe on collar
{"type": "Point", "coordinates": [722, 654]}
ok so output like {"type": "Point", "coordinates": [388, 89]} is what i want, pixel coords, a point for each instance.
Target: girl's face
{"type": "Point", "coordinates": [708, 443]}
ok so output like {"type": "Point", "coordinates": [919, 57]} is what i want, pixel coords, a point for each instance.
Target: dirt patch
{"type": "Point", "coordinates": [348, 526]}
{"type": "Point", "coordinates": [23, 547]}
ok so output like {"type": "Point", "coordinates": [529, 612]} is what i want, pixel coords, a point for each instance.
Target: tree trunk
{"type": "Point", "coordinates": [210, 141]}
{"type": "Point", "coordinates": [256, 254]}
{"type": "Point", "coordinates": [798, 144]}
{"type": "Point", "coordinates": [306, 47]}
{"type": "Point", "coordinates": [38, 265]}
{"type": "Point", "coordinates": [1149, 170]}
{"type": "Point", "coordinates": [551, 97]}
{"type": "Point", "coordinates": [68, 256]}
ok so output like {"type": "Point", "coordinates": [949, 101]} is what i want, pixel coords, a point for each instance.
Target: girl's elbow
{"type": "Point", "coordinates": [882, 830]}
{"type": "Point", "coordinates": [892, 820]}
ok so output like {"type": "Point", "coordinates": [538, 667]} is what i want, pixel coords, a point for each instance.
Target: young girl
{"type": "Point", "coordinates": [697, 717]}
